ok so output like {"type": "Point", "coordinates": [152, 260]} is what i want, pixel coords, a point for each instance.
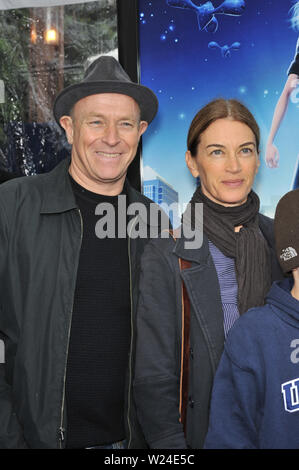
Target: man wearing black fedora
{"type": "Point", "coordinates": [67, 294]}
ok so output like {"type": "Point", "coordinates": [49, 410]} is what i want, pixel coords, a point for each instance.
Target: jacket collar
{"type": "Point", "coordinates": [200, 255]}
{"type": "Point", "coordinates": [57, 193]}
{"type": "Point", "coordinates": [136, 196]}
{"type": "Point", "coordinates": [58, 196]}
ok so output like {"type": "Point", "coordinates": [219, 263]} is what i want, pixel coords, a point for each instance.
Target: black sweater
{"type": "Point", "coordinates": [100, 333]}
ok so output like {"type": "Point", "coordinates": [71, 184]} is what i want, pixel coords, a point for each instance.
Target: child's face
{"type": "Point", "coordinates": [295, 274]}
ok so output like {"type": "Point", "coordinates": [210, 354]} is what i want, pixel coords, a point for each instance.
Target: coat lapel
{"type": "Point", "coordinates": [202, 285]}
{"type": "Point", "coordinates": [203, 289]}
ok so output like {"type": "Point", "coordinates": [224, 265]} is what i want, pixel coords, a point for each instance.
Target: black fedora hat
{"type": "Point", "coordinates": [105, 75]}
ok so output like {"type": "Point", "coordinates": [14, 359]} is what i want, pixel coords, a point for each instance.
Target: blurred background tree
{"type": "Point", "coordinates": [34, 67]}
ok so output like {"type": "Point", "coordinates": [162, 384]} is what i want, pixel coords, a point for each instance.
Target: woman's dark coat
{"type": "Point", "coordinates": [159, 326]}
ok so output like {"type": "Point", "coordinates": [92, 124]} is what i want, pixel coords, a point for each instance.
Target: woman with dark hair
{"type": "Point", "coordinates": [189, 298]}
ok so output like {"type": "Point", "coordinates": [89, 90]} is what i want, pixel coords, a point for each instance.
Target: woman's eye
{"type": "Point", "coordinates": [246, 150]}
{"type": "Point", "coordinates": [217, 152]}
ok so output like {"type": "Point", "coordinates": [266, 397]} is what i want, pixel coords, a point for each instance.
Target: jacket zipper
{"type": "Point", "coordinates": [131, 345]}
{"type": "Point", "coordinates": [61, 428]}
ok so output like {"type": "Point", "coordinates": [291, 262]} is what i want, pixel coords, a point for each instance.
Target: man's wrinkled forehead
{"type": "Point", "coordinates": [100, 104]}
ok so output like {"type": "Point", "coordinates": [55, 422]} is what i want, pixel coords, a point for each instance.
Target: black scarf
{"type": "Point", "coordinates": [248, 246]}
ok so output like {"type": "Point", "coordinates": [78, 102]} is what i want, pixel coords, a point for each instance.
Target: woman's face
{"type": "Point", "coordinates": [226, 162]}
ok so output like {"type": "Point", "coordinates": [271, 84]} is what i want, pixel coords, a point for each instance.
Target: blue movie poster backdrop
{"type": "Point", "coordinates": [194, 51]}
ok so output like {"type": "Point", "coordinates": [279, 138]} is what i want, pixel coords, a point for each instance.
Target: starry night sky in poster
{"type": "Point", "coordinates": [187, 67]}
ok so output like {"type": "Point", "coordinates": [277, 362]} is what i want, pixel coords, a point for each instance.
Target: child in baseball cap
{"type": "Point", "coordinates": [255, 400]}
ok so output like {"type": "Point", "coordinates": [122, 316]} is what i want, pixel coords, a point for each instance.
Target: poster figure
{"type": "Point", "coordinates": [272, 152]}
{"type": "Point", "coordinates": [225, 49]}
{"type": "Point", "coordinates": [206, 13]}
{"type": "Point", "coordinates": [187, 61]}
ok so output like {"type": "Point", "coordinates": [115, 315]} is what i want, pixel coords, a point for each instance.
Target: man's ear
{"type": "Point", "coordinates": [67, 123]}
{"type": "Point", "coordinates": [142, 127]}
{"type": "Point", "coordinates": [191, 164]}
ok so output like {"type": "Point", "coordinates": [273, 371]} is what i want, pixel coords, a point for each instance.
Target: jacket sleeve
{"type": "Point", "coordinates": [11, 435]}
{"type": "Point", "coordinates": [156, 385]}
{"type": "Point", "coordinates": [234, 413]}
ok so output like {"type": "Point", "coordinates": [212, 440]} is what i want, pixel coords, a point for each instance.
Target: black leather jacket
{"type": "Point", "coordinates": [40, 240]}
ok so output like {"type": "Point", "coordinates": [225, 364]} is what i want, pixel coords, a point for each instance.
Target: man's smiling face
{"type": "Point", "coordinates": [104, 131]}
